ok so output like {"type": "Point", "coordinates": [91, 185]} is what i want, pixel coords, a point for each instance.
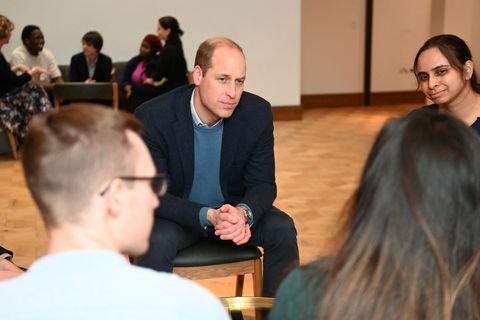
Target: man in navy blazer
{"type": "Point", "coordinates": [91, 65]}
{"type": "Point", "coordinates": [216, 144]}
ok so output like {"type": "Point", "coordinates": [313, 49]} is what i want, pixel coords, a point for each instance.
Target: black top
{"type": "Point", "coordinates": [79, 69]}
{"type": "Point", "coordinates": [8, 79]}
{"type": "Point", "coordinates": [435, 108]}
{"type": "Point", "coordinates": [171, 64]}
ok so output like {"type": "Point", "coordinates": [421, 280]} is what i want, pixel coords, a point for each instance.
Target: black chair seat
{"type": "Point", "coordinates": [210, 253]}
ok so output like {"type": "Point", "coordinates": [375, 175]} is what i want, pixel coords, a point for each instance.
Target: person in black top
{"type": "Point", "coordinates": [445, 73]}
{"type": "Point", "coordinates": [91, 65]}
{"type": "Point", "coordinates": [171, 69]}
{"type": "Point", "coordinates": [20, 98]}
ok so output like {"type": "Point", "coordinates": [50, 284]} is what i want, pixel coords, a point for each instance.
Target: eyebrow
{"type": "Point", "coordinates": [437, 67]}
{"type": "Point", "coordinates": [229, 76]}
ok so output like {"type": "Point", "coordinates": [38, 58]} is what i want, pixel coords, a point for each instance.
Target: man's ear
{"type": "Point", "coordinates": [115, 197]}
{"type": "Point", "coordinates": [197, 75]}
{"type": "Point", "coordinates": [468, 70]}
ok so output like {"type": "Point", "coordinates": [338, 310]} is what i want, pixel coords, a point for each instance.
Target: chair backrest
{"type": "Point", "coordinates": [80, 91]}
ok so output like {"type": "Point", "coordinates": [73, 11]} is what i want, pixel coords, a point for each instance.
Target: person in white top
{"type": "Point", "coordinates": [34, 54]}
{"type": "Point", "coordinates": [96, 187]}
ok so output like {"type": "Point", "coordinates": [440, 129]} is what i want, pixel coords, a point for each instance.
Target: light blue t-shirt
{"type": "Point", "coordinates": [102, 285]}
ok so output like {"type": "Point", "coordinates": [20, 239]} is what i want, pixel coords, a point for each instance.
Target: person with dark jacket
{"type": "Point", "coordinates": [171, 66]}
{"type": "Point", "coordinates": [140, 67]}
{"type": "Point", "coordinates": [91, 65]}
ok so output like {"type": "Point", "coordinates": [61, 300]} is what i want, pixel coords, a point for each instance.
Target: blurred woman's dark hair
{"type": "Point", "coordinates": [412, 248]}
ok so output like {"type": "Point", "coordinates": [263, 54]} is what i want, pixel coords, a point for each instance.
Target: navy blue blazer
{"type": "Point", "coordinates": [247, 165]}
{"type": "Point", "coordinates": [79, 70]}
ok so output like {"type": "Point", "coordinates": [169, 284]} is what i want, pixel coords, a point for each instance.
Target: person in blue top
{"type": "Point", "coordinates": [215, 141]}
{"type": "Point", "coordinates": [445, 73]}
{"type": "Point", "coordinates": [96, 187]}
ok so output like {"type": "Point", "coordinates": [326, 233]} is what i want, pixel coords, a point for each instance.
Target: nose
{"type": "Point", "coordinates": [432, 82]}
{"type": "Point", "coordinates": [231, 90]}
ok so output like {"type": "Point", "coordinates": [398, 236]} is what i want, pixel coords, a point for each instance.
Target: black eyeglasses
{"type": "Point", "coordinates": [158, 183]}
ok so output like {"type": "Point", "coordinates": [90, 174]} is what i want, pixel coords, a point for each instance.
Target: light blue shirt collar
{"type": "Point", "coordinates": [196, 119]}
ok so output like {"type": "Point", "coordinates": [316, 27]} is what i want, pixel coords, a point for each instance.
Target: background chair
{"type": "Point", "coordinates": [79, 91]}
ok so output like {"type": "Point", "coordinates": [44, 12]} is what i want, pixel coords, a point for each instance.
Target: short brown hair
{"type": "Point", "coordinates": [6, 27]}
{"type": "Point", "coordinates": [69, 154]}
{"type": "Point", "coordinates": [205, 51]}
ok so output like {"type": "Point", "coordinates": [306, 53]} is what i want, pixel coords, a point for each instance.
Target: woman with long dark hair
{"type": "Point", "coordinates": [445, 73]}
{"type": "Point", "coordinates": [171, 66]}
{"type": "Point", "coordinates": [412, 246]}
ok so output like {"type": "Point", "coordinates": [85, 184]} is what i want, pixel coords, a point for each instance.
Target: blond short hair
{"type": "Point", "coordinates": [69, 154]}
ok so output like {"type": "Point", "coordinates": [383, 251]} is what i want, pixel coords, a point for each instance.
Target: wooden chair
{"type": "Point", "coordinates": [239, 304]}
{"type": "Point", "coordinates": [211, 259]}
{"type": "Point", "coordinates": [78, 91]}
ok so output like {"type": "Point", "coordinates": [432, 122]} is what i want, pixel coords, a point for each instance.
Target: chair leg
{"type": "Point", "coordinates": [239, 285]}
{"type": "Point", "coordinates": [257, 278]}
{"type": "Point", "coordinates": [13, 144]}
{"type": "Point", "coordinates": [257, 285]}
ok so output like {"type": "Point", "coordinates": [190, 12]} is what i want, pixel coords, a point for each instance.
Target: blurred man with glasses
{"type": "Point", "coordinates": [96, 187]}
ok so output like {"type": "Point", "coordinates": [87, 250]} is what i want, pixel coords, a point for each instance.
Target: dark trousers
{"type": "Point", "coordinates": [275, 232]}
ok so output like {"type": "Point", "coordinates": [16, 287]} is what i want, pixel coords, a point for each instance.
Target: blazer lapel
{"type": "Point", "coordinates": [232, 130]}
{"type": "Point", "coordinates": [183, 130]}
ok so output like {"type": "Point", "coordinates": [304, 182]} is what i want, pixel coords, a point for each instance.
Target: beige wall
{"type": "Point", "coordinates": [461, 19]}
{"type": "Point", "coordinates": [332, 46]}
{"type": "Point", "coordinates": [268, 31]}
{"type": "Point", "coordinates": [399, 29]}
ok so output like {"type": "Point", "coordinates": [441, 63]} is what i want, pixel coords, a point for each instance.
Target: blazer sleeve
{"type": "Point", "coordinates": [75, 70]}
{"type": "Point", "coordinates": [103, 69]}
{"type": "Point", "coordinates": [259, 168]}
{"type": "Point", "coordinates": [173, 206]}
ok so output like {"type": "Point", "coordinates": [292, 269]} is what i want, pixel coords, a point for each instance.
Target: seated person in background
{"type": "Point", "coordinates": [171, 69]}
{"type": "Point", "coordinates": [33, 54]}
{"type": "Point", "coordinates": [412, 233]}
{"type": "Point", "coordinates": [8, 269]}
{"type": "Point", "coordinates": [140, 67]}
{"type": "Point", "coordinates": [96, 187]}
{"type": "Point", "coordinates": [91, 65]}
{"type": "Point", "coordinates": [216, 144]}
{"type": "Point", "coordinates": [445, 73]}
{"type": "Point", "coordinates": [20, 99]}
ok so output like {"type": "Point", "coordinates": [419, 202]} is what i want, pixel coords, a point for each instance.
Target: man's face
{"type": "Point", "coordinates": [219, 89]}
{"type": "Point", "coordinates": [89, 50]}
{"type": "Point", "coordinates": [140, 201]}
{"type": "Point", "coordinates": [35, 42]}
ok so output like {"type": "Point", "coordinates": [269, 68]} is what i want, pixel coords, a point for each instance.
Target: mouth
{"type": "Point", "coordinates": [435, 95]}
{"type": "Point", "coordinates": [229, 105]}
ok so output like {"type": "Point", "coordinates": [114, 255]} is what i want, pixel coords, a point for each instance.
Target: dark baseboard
{"type": "Point", "coordinates": [356, 99]}
{"type": "Point", "coordinates": [331, 100]}
{"type": "Point", "coordinates": [281, 113]}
